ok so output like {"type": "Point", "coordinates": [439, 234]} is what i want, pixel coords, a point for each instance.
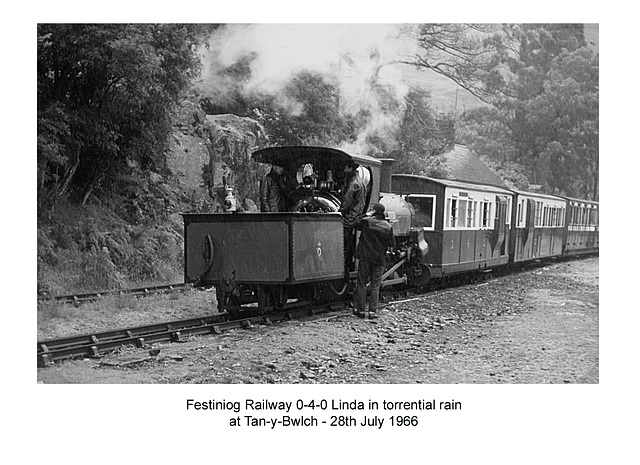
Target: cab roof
{"type": "Point", "coordinates": [298, 155]}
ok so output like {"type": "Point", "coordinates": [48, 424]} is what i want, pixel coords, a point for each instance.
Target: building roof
{"type": "Point", "coordinates": [463, 165]}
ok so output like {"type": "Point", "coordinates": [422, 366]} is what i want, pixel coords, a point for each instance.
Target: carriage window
{"type": "Point", "coordinates": [486, 214]}
{"type": "Point", "coordinates": [462, 214]}
{"type": "Point", "coordinates": [538, 217]}
{"type": "Point", "coordinates": [453, 212]}
{"type": "Point", "coordinates": [545, 216]}
{"type": "Point", "coordinates": [424, 210]}
{"type": "Point", "coordinates": [471, 214]}
{"type": "Point", "coordinates": [522, 212]}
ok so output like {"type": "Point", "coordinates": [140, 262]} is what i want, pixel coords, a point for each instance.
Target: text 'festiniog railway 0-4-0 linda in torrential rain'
{"type": "Point", "coordinates": [442, 229]}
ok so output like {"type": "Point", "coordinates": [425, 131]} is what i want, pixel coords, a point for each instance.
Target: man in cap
{"type": "Point", "coordinates": [272, 191]}
{"type": "Point", "coordinates": [351, 208]}
{"type": "Point", "coordinates": [375, 239]}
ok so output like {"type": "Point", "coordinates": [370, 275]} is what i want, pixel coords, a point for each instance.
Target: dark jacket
{"type": "Point", "coordinates": [272, 193]}
{"type": "Point", "coordinates": [376, 237]}
{"type": "Point", "coordinates": [353, 202]}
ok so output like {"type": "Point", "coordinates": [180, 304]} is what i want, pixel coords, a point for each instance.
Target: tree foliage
{"type": "Point", "coordinates": [486, 131]}
{"type": "Point", "coordinates": [564, 120]}
{"type": "Point", "coordinates": [305, 112]}
{"type": "Point", "coordinates": [544, 121]}
{"type": "Point", "coordinates": [106, 96]}
{"type": "Point", "coordinates": [422, 136]}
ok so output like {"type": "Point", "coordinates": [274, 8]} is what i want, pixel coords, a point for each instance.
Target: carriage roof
{"type": "Point", "coordinates": [539, 195]}
{"type": "Point", "coordinates": [451, 183]}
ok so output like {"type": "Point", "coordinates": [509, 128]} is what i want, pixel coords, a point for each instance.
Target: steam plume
{"type": "Point", "coordinates": [359, 57]}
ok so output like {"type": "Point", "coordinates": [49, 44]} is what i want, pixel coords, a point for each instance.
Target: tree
{"type": "Point", "coordinates": [565, 121]}
{"type": "Point", "coordinates": [422, 136]}
{"type": "Point", "coordinates": [106, 96]}
{"type": "Point", "coordinates": [471, 55]}
{"type": "Point", "coordinates": [545, 118]}
{"type": "Point", "coordinates": [486, 132]}
{"type": "Point", "coordinates": [554, 117]}
{"type": "Point", "coordinates": [306, 113]}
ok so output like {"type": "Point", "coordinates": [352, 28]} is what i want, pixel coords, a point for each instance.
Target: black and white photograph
{"type": "Point", "coordinates": [319, 203]}
{"type": "Point", "coordinates": [381, 235]}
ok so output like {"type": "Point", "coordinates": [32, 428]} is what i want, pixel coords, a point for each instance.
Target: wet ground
{"type": "Point", "coordinates": [536, 326]}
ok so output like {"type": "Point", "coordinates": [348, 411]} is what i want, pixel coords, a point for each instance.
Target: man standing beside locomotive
{"type": "Point", "coordinates": [376, 238]}
{"type": "Point", "coordinates": [272, 191]}
{"type": "Point", "coordinates": [352, 209]}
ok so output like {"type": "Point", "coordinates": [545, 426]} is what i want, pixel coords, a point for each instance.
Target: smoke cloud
{"type": "Point", "coordinates": [361, 58]}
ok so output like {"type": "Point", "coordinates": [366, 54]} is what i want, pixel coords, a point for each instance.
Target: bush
{"type": "Point", "coordinates": [90, 249]}
{"type": "Point", "coordinates": [99, 273]}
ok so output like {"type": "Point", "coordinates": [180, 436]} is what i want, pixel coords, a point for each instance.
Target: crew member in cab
{"type": "Point", "coordinates": [272, 191]}
{"type": "Point", "coordinates": [351, 208]}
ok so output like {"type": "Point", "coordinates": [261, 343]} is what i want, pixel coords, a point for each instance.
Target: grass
{"type": "Point", "coordinates": [56, 319]}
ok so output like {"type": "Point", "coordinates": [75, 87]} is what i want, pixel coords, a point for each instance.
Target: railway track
{"type": "Point", "coordinates": [98, 344]}
{"type": "Point", "coordinates": [181, 287]}
{"type": "Point", "coordinates": [93, 296]}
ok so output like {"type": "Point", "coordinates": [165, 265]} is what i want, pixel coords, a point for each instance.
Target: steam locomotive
{"type": "Point", "coordinates": [443, 228]}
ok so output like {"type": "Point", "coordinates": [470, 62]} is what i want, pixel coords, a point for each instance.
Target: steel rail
{"type": "Point", "coordinates": [97, 344]}
{"type": "Point", "coordinates": [140, 291]}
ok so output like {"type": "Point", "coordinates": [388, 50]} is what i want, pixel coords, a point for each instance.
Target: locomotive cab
{"type": "Point", "coordinates": [265, 260]}
{"type": "Point", "coordinates": [314, 176]}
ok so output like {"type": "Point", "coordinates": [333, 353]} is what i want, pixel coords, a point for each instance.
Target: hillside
{"type": "Point", "coordinates": [134, 237]}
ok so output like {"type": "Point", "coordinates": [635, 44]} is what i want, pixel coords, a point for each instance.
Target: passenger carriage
{"type": "Point", "coordinates": [538, 229]}
{"type": "Point", "coordinates": [466, 225]}
{"type": "Point", "coordinates": [582, 226]}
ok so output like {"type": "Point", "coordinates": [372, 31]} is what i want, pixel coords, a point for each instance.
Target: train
{"type": "Point", "coordinates": [444, 229]}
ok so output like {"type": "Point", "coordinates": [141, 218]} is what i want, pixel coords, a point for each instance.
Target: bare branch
{"type": "Point", "coordinates": [467, 54]}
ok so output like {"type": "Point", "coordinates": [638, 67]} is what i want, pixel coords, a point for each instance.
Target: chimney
{"type": "Point", "coordinates": [385, 174]}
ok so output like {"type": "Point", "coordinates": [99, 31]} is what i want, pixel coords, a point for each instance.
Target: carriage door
{"type": "Point", "coordinates": [501, 221]}
{"type": "Point", "coordinates": [532, 232]}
